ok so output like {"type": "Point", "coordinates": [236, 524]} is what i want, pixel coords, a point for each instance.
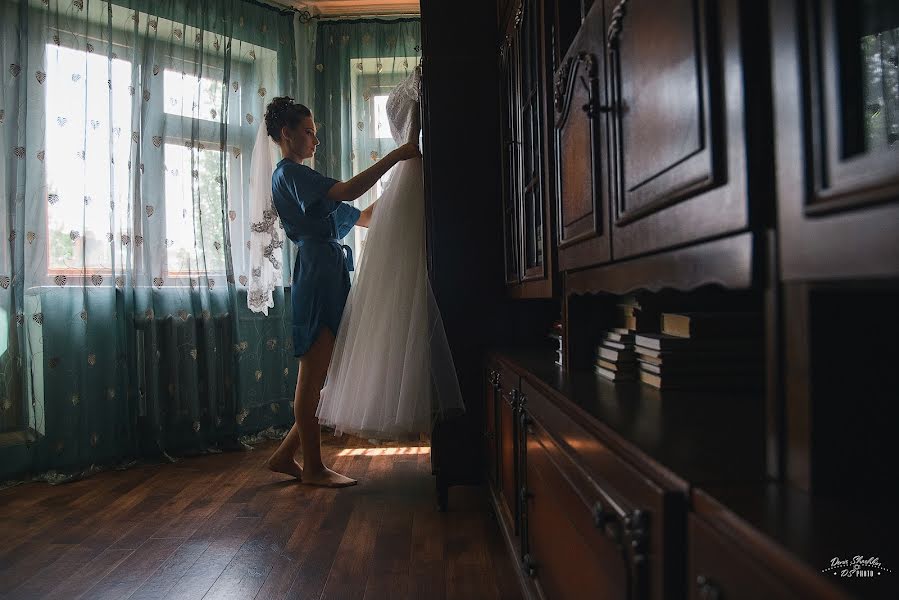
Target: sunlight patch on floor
{"type": "Point", "coordinates": [386, 451]}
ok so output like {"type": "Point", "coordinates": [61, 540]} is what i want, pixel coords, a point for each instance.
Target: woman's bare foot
{"type": "Point", "coordinates": [327, 478]}
{"type": "Point", "coordinates": [286, 465]}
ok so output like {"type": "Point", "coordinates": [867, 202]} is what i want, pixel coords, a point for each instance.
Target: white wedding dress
{"type": "Point", "coordinates": [392, 375]}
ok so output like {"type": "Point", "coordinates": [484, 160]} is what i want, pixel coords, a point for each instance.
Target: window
{"type": "Point", "coordinates": [195, 172]}
{"type": "Point", "coordinates": [98, 127]}
{"type": "Point", "coordinates": [190, 96]}
{"type": "Point", "coordinates": [193, 200]}
{"type": "Point", "coordinates": [880, 88]}
{"type": "Point", "coordinates": [86, 157]}
{"type": "Point", "coordinates": [867, 89]}
{"type": "Point", "coordinates": [382, 125]}
{"type": "Point", "coordinates": [199, 104]}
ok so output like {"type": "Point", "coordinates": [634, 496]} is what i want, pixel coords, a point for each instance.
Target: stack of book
{"type": "Point", "coordinates": [701, 350]}
{"type": "Point", "coordinates": [615, 358]}
{"type": "Point", "coordinates": [556, 335]}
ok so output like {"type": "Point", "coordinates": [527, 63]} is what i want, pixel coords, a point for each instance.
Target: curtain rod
{"type": "Point", "coordinates": [275, 6]}
{"type": "Point", "coordinates": [368, 16]}
{"type": "Point", "coordinates": [306, 16]}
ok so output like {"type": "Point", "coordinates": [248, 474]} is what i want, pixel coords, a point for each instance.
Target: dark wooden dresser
{"type": "Point", "coordinates": [699, 156]}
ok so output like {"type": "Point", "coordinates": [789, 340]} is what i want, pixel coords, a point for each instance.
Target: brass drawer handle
{"type": "Point", "coordinates": [528, 565]}
{"type": "Point", "coordinates": [592, 108]}
{"type": "Point", "coordinates": [524, 495]}
{"type": "Point", "coordinates": [526, 422]}
{"type": "Point", "coordinates": [600, 516]}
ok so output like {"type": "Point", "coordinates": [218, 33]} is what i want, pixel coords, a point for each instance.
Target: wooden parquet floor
{"type": "Point", "coordinates": [222, 526]}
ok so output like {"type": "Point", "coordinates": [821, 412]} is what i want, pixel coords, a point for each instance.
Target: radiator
{"type": "Point", "coordinates": [180, 357]}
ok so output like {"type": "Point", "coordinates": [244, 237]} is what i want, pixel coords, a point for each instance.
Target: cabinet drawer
{"type": "Point", "coordinates": [568, 554]}
{"type": "Point", "coordinates": [718, 569]}
{"type": "Point", "coordinates": [630, 508]}
{"type": "Point", "coordinates": [598, 462]}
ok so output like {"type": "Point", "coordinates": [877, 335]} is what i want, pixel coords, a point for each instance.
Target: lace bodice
{"type": "Point", "coordinates": [403, 109]}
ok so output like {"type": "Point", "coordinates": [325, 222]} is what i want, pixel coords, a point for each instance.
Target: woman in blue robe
{"type": "Point", "coordinates": [314, 215]}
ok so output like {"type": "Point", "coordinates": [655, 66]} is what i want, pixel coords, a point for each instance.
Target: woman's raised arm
{"type": "Point", "coordinates": [345, 191]}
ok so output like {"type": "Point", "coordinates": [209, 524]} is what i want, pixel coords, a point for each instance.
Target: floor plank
{"type": "Point", "coordinates": [390, 568]}
{"type": "Point", "coordinates": [87, 577]}
{"type": "Point", "coordinates": [352, 563]}
{"type": "Point", "coordinates": [122, 581]}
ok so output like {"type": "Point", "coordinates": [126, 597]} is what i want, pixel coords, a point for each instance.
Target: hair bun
{"type": "Point", "coordinates": [282, 111]}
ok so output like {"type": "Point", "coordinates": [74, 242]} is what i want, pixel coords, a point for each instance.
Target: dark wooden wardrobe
{"type": "Point", "coordinates": [592, 159]}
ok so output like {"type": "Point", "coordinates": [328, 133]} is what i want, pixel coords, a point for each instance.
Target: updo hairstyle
{"type": "Point", "coordinates": [283, 112]}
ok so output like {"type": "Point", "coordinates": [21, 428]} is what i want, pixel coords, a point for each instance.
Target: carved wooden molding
{"type": "Point", "coordinates": [564, 86]}
{"type": "Point", "coordinates": [505, 45]}
{"type": "Point", "coordinates": [727, 262]}
{"type": "Point", "coordinates": [616, 24]}
{"type": "Point", "coordinates": [560, 87]}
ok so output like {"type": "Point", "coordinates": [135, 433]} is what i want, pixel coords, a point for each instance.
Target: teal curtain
{"type": "Point", "coordinates": [126, 132]}
{"type": "Point", "coordinates": [304, 36]}
{"type": "Point", "coordinates": [357, 63]}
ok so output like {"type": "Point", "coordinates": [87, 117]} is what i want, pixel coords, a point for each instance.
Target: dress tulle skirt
{"type": "Point", "coordinates": [391, 375]}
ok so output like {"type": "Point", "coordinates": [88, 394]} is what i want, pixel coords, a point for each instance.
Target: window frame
{"type": "Point", "coordinates": [208, 130]}
{"type": "Point", "coordinates": [48, 273]}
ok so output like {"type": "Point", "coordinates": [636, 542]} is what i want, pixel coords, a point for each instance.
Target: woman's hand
{"type": "Point", "coordinates": [407, 151]}
{"type": "Point", "coordinates": [366, 215]}
{"type": "Point", "coordinates": [364, 181]}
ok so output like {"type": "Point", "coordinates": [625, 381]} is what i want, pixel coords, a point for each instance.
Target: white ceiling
{"type": "Point", "coordinates": [330, 8]}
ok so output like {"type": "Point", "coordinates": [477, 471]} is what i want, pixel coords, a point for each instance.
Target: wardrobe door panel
{"type": "Point", "coordinates": [679, 117]}
{"type": "Point", "coordinates": [580, 158]}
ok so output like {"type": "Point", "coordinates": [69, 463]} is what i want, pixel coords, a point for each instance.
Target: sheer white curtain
{"type": "Point", "coordinates": [271, 255]}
